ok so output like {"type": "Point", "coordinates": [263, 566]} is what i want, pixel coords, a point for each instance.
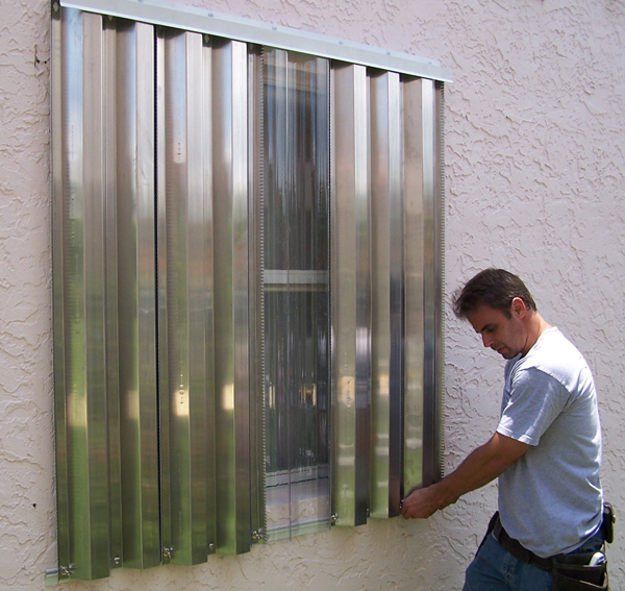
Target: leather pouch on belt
{"type": "Point", "coordinates": [574, 572]}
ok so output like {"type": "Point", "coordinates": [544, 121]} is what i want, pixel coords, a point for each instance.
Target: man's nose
{"type": "Point", "coordinates": [487, 340]}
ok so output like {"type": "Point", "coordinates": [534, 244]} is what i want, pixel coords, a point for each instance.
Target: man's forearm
{"type": "Point", "coordinates": [480, 467]}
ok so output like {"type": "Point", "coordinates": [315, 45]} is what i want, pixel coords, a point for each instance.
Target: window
{"type": "Point", "coordinates": [247, 280]}
{"type": "Point", "coordinates": [296, 289]}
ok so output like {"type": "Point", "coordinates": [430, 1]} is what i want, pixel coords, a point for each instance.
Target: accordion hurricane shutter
{"type": "Point", "coordinates": [247, 287]}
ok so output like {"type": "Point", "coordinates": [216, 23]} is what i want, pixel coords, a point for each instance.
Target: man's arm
{"type": "Point", "coordinates": [480, 467]}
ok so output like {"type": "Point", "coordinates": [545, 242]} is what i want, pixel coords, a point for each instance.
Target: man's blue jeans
{"type": "Point", "coordinates": [495, 569]}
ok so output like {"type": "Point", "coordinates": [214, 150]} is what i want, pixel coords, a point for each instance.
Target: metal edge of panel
{"type": "Point", "coordinates": [241, 294]}
{"type": "Point", "coordinates": [332, 403]}
{"type": "Point", "coordinates": [327, 432]}
{"type": "Point", "coordinates": [413, 269]}
{"type": "Point", "coordinates": [93, 423]}
{"type": "Point", "coordinates": [363, 293]}
{"type": "Point", "coordinates": [180, 202]}
{"type": "Point", "coordinates": [146, 304]}
{"type": "Point", "coordinates": [223, 303]}
{"type": "Point", "coordinates": [177, 196]}
{"type": "Point", "coordinates": [253, 287]}
{"type": "Point", "coordinates": [431, 290]}
{"type": "Point", "coordinates": [73, 254]}
{"type": "Point", "coordinates": [137, 302]}
{"type": "Point", "coordinates": [124, 230]}
{"type": "Point", "coordinates": [257, 308]}
{"type": "Point", "coordinates": [251, 31]}
{"type": "Point", "coordinates": [396, 295]}
{"type": "Point", "coordinates": [58, 308]}
{"type": "Point", "coordinates": [111, 287]}
{"type": "Point", "coordinates": [381, 273]}
{"type": "Point", "coordinates": [207, 159]}
{"type": "Point", "coordinates": [197, 278]}
{"type": "Point", "coordinates": [335, 275]}
{"type": "Point", "coordinates": [440, 246]}
{"type": "Point", "coordinates": [343, 278]}
{"type": "Point", "coordinates": [162, 304]}
{"type": "Point", "coordinates": [336, 477]}
{"type": "Point", "coordinates": [186, 415]}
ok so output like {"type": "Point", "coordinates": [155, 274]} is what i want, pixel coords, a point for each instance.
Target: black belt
{"type": "Point", "coordinates": [516, 549]}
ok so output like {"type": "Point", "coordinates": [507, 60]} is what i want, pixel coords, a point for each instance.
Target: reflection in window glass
{"type": "Point", "coordinates": [296, 290]}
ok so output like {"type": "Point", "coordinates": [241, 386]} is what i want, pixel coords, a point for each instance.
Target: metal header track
{"type": "Point", "coordinates": [157, 12]}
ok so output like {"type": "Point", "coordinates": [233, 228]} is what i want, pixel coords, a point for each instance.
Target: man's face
{"type": "Point", "coordinates": [506, 335]}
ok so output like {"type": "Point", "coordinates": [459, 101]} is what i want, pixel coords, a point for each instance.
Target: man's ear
{"type": "Point", "coordinates": [518, 308]}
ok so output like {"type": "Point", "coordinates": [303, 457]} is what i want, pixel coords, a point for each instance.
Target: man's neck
{"type": "Point", "coordinates": [536, 325]}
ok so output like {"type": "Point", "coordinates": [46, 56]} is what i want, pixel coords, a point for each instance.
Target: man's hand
{"type": "Point", "coordinates": [420, 503]}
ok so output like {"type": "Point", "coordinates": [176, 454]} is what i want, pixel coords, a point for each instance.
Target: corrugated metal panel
{"type": "Point", "coordinates": [350, 293]}
{"type": "Point", "coordinates": [187, 394]}
{"type": "Point", "coordinates": [387, 275]}
{"type": "Point", "coordinates": [136, 291]}
{"type": "Point", "coordinates": [232, 375]}
{"type": "Point", "coordinates": [112, 304]}
{"type": "Point", "coordinates": [414, 294]}
{"type": "Point", "coordinates": [431, 282]}
{"type": "Point", "coordinates": [106, 354]}
{"type": "Point", "coordinates": [80, 368]}
{"type": "Point", "coordinates": [398, 127]}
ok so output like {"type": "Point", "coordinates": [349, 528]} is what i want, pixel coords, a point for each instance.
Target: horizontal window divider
{"type": "Point", "coordinates": [295, 277]}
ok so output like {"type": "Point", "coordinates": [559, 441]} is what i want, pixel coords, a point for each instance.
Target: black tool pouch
{"type": "Point", "coordinates": [573, 572]}
{"type": "Point", "coordinates": [607, 526]}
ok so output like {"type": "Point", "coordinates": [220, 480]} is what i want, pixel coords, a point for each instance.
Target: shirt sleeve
{"type": "Point", "coordinates": [536, 399]}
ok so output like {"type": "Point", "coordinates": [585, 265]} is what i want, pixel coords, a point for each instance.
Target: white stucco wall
{"type": "Point", "coordinates": [535, 175]}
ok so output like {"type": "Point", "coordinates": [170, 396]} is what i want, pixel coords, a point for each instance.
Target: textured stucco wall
{"type": "Point", "coordinates": [535, 176]}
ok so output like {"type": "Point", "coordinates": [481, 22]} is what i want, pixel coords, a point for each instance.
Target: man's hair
{"type": "Point", "coordinates": [492, 287]}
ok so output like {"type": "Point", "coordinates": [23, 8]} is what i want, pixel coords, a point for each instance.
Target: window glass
{"type": "Point", "coordinates": [296, 290]}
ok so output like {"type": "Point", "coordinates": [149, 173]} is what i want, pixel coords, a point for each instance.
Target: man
{"type": "Point", "coordinates": [546, 448]}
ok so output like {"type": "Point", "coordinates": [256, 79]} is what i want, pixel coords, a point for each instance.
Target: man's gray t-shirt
{"type": "Point", "coordinates": [550, 500]}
